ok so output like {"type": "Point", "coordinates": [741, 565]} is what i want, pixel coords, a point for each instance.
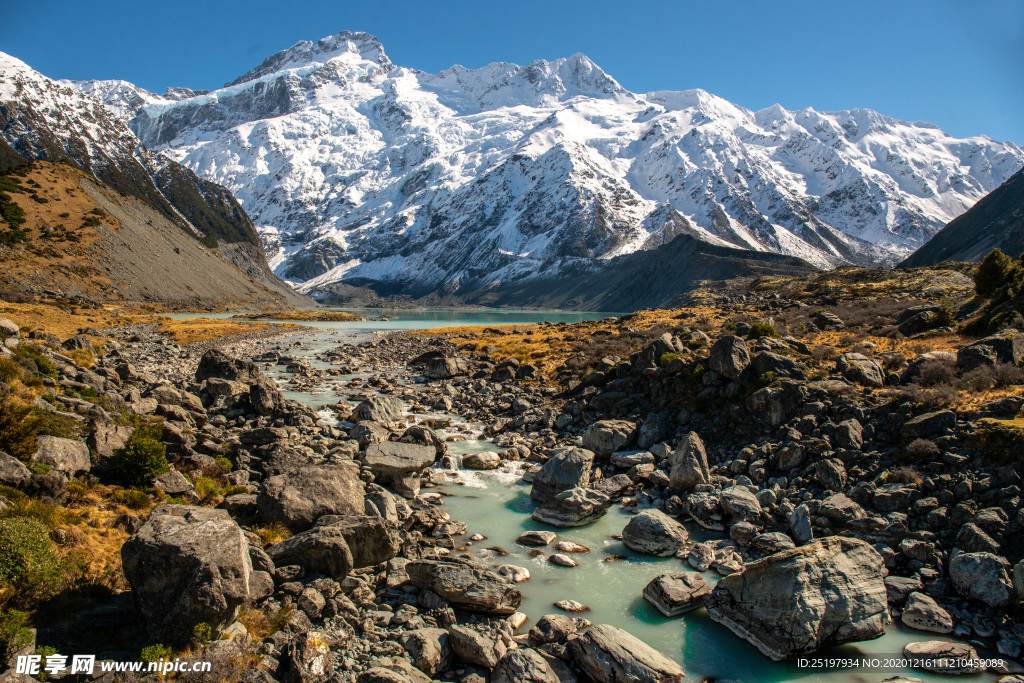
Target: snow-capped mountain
{"type": "Point", "coordinates": [359, 171]}
{"type": "Point", "coordinates": [45, 119]}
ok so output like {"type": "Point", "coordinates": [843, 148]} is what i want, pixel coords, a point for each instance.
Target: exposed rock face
{"type": "Point", "coordinates": [943, 657]}
{"type": "Point", "coordinates": [982, 576]}
{"type": "Point", "coordinates": [674, 594]}
{"type": "Point", "coordinates": [371, 540]}
{"type": "Point", "coordinates": [828, 592]}
{"type": "Point", "coordinates": [378, 409]}
{"type": "Point", "coordinates": [299, 497]}
{"type": "Point", "coordinates": [604, 437]}
{"type": "Point", "coordinates": [187, 565]}
{"type": "Point", "coordinates": [567, 469]}
{"type": "Point", "coordinates": [399, 464]}
{"type": "Point", "coordinates": [611, 655]}
{"type": "Point", "coordinates": [652, 532]}
{"type": "Point", "coordinates": [63, 455]}
{"type": "Point", "coordinates": [575, 507]}
{"type": "Point", "coordinates": [322, 549]}
{"type": "Point", "coordinates": [466, 585]}
{"type": "Point", "coordinates": [689, 464]}
{"type": "Point", "coordinates": [729, 357]}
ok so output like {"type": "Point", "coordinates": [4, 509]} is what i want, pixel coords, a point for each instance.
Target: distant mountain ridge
{"type": "Point", "coordinates": [41, 119]}
{"type": "Point", "coordinates": [356, 170]}
{"type": "Point", "coordinates": [997, 221]}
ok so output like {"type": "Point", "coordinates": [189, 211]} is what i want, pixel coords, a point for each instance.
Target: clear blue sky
{"type": "Point", "coordinates": [956, 63]}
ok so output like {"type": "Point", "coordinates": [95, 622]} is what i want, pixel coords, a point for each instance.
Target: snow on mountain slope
{"type": "Point", "coordinates": [355, 169]}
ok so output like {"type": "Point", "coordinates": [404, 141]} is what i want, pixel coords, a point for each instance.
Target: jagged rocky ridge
{"type": "Point", "coordinates": [43, 119]}
{"type": "Point", "coordinates": [995, 222]}
{"type": "Point", "coordinates": [365, 173]}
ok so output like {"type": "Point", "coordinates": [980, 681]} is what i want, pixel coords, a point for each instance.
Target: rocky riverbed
{"type": "Point", "coordinates": [327, 552]}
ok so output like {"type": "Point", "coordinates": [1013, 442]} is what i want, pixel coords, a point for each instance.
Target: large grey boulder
{"type": "Point", "coordinates": [399, 464]}
{"type": "Point", "coordinates": [828, 592]}
{"type": "Point", "coordinates": [107, 437]}
{"type": "Point", "coordinates": [652, 532]}
{"type": "Point", "coordinates": [429, 649]}
{"type": "Point", "coordinates": [322, 549]}
{"type": "Point", "coordinates": [63, 455]}
{"type": "Point", "coordinates": [611, 655]}
{"type": "Point", "coordinates": [674, 594]}
{"type": "Point", "coordinates": [187, 565]}
{"type": "Point", "coordinates": [1003, 347]}
{"type": "Point", "coordinates": [858, 368]}
{"type": "Point", "coordinates": [217, 364]}
{"type": "Point", "coordinates": [443, 367]}
{"type": "Point", "coordinates": [378, 409]}
{"type": "Point", "coordinates": [982, 576]}
{"type": "Point", "coordinates": [302, 495]}
{"type": "Point", "coordinates": [371, 539]}
{"type": "Point", "coordinates": [575, 507]}
{"type": "Point", "coordinates": [741, 503]}
{"type": "Point", "coordinates": [466, 585]}
{"type": "Point", "coordinates": [567, 468]}
{"type": "Point", "coordinates": [12, 472]}
{"type": "Point", "coordinates": [482, 644]}
{"type": "Point", "coordinates": [729, 357]}
{"type": "Point", "coordinates": [924, 614]}
{"type": "Point", "coordinates": [264, 396]}
{"type": "Point", "coordinates": [525, 665]}
{"type": "Point", "coordinates": [689, 465]}
{"type": "Point", "coordinates": [604, 437]}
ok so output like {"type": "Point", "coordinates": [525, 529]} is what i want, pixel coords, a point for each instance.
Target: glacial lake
{"type": "Point", "coordinates": [497, 505]}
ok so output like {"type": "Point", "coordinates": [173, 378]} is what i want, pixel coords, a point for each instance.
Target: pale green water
{"type": "Point", "coordinates": [497, 505]}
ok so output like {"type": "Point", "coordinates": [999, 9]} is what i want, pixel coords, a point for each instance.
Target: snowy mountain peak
{"type": "Point", "coordinates": [357, 171]}
{"type": "Point", "coordinates": [308, 53]}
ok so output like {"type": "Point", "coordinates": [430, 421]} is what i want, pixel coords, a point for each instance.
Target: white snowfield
{"type": "Point", "coordinates": [356, 169]}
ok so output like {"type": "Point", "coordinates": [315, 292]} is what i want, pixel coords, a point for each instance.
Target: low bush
{"type": "Point", "coordinates": [922, 449]}
{"type": "Point", "coordinates": [13, 633]}
{"type": "Point", "coordinates": [29, 563]}
{"type": "Point", "coordinates": [141, 459]}
{"type": "Point", "coordinates": [759, 330]}
{"type": "Point", "coordinates": [17, 432]}
{"type": "Point", "coordinates": [9, 371]}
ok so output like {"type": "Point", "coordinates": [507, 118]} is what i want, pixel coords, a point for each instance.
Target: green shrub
{"type": "Point", "coordinates": [201, 633]}
{"type": "Point", "coordinates": [133, 499]}
{"type": "Point", "coordinates": [206, 488]}
{"type": "Point", "coordinates": [29, 563]}
{"type": "Point", "coordinates": [44, 365]}
{"type": "Point", "coordinates": [156, 653]}
{"type": "Point", "coordinates": [13, 634]}
{"type": "Point", "coordinates": [141, 459]}
{"type": "Point", "coordinates": [994, 273]}
{"type": "Point", "coordinates": [667, 358]}
{"type": "Point", "coordinates": [9, 370]}
{"type": "Point", "coordinates": [17, 432]}
{"type": "Point", "coordinates": [758, 330]}
{"type": "Point", "coordinates": [224, 463]}
{"type": "Point", "coordinates": [52, 424]}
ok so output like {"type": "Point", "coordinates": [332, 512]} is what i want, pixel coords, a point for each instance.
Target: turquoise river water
{"type": "Point", "coordinates": [610, 578]}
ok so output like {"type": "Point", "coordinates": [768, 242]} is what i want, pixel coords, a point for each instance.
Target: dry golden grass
{"type": "Point", "coordinates": [51, 318]}
{"type": "Point", "coordinates": [203, 329]}
{"type": "Point", "coordinates": [548, 347]}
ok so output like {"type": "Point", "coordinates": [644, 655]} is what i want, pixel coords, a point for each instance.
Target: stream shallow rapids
{"type": "Point", "coordinates": [609, 579]}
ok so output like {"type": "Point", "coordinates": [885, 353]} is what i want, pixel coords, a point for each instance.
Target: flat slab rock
{"type": "Point", "coordinates": [674, 594]}
{"type": "Point", "coordinates": [466, 585]}
{"type": "Point", "coordinates": [611, 655]}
